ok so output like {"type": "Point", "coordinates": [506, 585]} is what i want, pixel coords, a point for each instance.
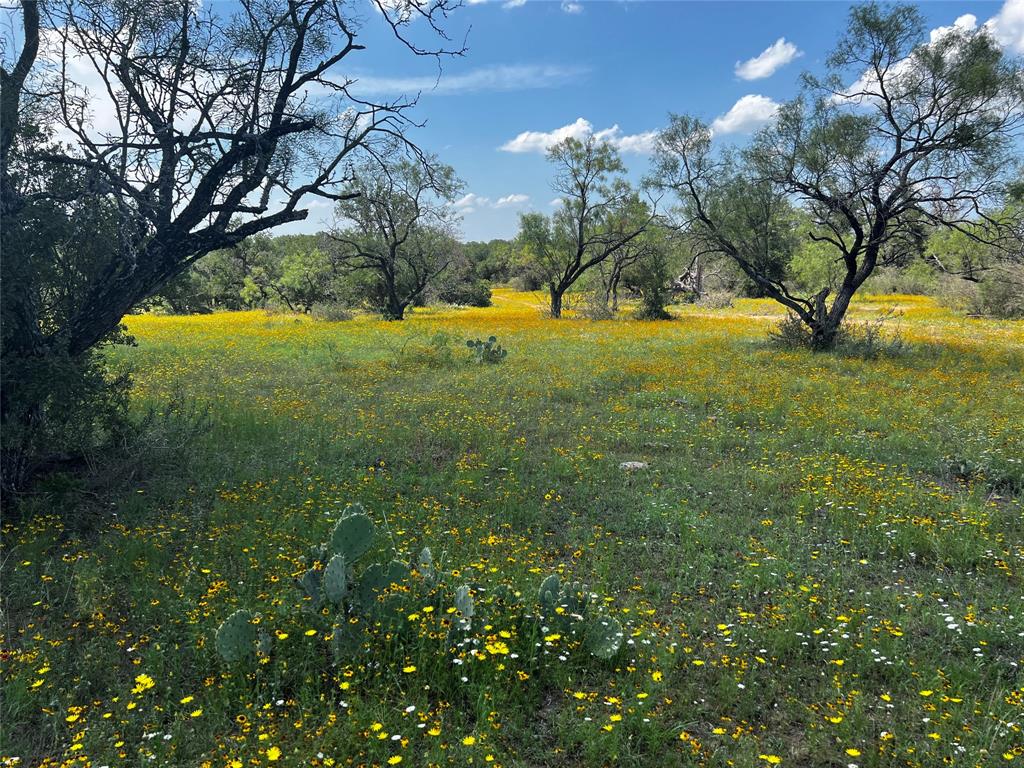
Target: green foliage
{"type": "Point", "coordinates": [236, 636]}
{"type": "Point", "coordinates": [465, 291]}
{"type": "Point", "coordinates": [1001, 294]}
{"type": "Point", "coordinates": [492, 261]}
{"type": "Point", "coordinates": [487, 351]}
{"type": "Point", "coordinates": [331, 312]}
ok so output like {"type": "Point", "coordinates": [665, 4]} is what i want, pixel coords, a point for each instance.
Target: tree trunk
{"type": "Point", "coordinates": [395, 309]}
{"type": "Point", "coordinates": [556, 301]}
{"type": "Point", "coordinates": [828, 321]}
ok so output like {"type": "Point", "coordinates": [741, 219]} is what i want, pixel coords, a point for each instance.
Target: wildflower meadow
{"type": "Point", "coordinates": [812, 560]}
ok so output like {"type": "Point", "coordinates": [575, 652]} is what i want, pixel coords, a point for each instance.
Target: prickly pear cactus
{"type": "Point", "coordinates": [236, 636]}
{"type": "Point", "coordinates": [604, 637]}
{"type": "Point", "coordinates": [371, 584]}
{"type": "Point", "coordinates": [397, 573]}
{"type": "Point", "coordinates": [425, 565]}
{"type": "Point", "coordinates": [353, 535]}
{"type": "Point", "coordinates": [335, 579]}
{"type": "Point", "coordinates": [574, 599]}
{"type": "Point", "coordinates": [344, 641]}
{"type": "Point", "coordinates": [464, 605]}
{"type": "Point", "coordinates": [549, 590]}
{"type": "Point", "coordinates": [309, 583]}
{"type": "Point", "coordinates": [317, 553]}
{"type": "Point", "coordinates": [264, 644]}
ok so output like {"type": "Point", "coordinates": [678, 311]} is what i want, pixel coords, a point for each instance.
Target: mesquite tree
{"type": "Point", "coordinates": [182, 128]}
{"type": "Point", "coordinates": [592, 222]}
{"type": "Point", "coordinates": [926, 137]}
{"type": "Point", "coordinates": [398, 228]}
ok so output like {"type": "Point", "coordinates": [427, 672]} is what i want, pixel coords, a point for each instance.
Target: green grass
{"type": "Point", "coordinates": [785, 566]}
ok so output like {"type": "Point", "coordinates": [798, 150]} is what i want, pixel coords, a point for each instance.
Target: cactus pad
{"type": "Point", "coordinates": [353, 536]}
{"type": "Point", "coordinates": [604, 637]}
{"type": "Point", "coordinates": [335, 579]}
{"type": "Point", "coordinates": [236, 636]}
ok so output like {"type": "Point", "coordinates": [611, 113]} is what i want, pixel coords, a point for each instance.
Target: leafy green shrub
{"type": "Point", "coordinates": [489, 351]}
{"type": "Point", "coordinates": [468, 293]}
{"type": "Point", "coordinates": [1001, 294]}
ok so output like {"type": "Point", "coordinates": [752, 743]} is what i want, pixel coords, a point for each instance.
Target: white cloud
{"type": "Point", "coordinates": [581, 129]}
{"type": "Point", "coordinates": [568, 6]}
{"type": "Point", "coordinates": [746, 115]}
{"type": "Point", "coordinates": [513, 4]}
{"type": "Point", "coordinates": [511, 200]}
{"type": "Point", "coordinates": [499, 78]}
{"type": "Point", "coordinates": [777, 55]}
{"type": "Point", "coordinates": [472, 202]}
{"type": "Point", "coordinates": [556, 202]}
{"type": "Point", "coordinates": [1007, 26]}
{"type": "Point", "coordinates": [966, 23]}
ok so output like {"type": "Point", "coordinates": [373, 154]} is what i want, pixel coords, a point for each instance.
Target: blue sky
{"type": "Point", "coordinates": [538, 66]}
{"type": "Point", "coordinates": [537, 70]}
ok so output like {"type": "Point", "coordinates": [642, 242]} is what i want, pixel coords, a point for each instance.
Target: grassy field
{"type": "Point", "coordinates": [821, 565]}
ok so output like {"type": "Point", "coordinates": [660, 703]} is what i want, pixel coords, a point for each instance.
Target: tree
{"type": "Point", "coordinates": [591, 223]}
{"type": "Point", "coordinates": [658, 252]}
{"type": "Point", "coordinates": [638, 251]}
{"type": "Point", "coordinates": [206, 124]}
{"type": "Point", "coordinates": [724, 210]}
{"type": "Point", "coordinates": [924, 138]}
{"type": "Point", "coordinates": [398, 226]}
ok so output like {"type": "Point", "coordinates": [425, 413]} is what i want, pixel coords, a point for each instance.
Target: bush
{"type": "Point", "coordinates": [791, 333]}
{"type": "Point", "coordinates": [716, 300]}
{"type": "Point", "coordinates": [331, 312]}
{"type": "Point", "coordinates": [469, 293]}
{"type": "Point", "coordinates": [59, 414]}
{"type": "Point", "coordinates": [594, 305]}
{"type": "Point", "coordinates": [918, 279]}
{"type": "Point", "coordinates": [652, 310]}
{"type": "Point", "coordinates": [1000, 294]}
{"type": "Point", "coordinates": [868, 339]}
{"type": "Point", "coordinates": [525, 283]}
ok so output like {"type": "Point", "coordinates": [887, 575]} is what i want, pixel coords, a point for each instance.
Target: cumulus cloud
{"type": "Point", "coordinates": [765, 64]}
{"type": "Point", "coordinates": [1007, 26]}
{"type": "Point", "coordinates": [513, 4]}
{"type": "Point", "coordinates": [582, 129]}
{"type": "Point", "coordinates": [966, 23]}
{"type": "Point", "coordinates": [512, 200]}
{"type": "Point", "coordinates": [568, 6]}
{"type": "Point", "coordinates": [746, 115]}
{"type": "Point", "coordinates": [472, 202]}
{"type": "Point", "coordinates": [499, 78]}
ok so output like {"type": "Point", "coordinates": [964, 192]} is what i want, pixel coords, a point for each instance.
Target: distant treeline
{"type": "Point", "coordinates": [301, 272]}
